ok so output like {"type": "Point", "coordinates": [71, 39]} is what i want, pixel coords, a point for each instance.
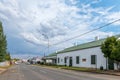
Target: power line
{"type": "Point", "coordinates": [87, 32]}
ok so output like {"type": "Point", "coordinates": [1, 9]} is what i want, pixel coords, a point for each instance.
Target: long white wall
{"type": "Point", "coordinates": [83, 54]}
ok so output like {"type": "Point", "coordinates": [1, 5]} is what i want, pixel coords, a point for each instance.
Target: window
{"type": "Point", "coordinates": [83, 60]}
{"type": "Point", "coordinates": [61, 60]}
{"type": "Point", "coordinates": [58, 60]}
{"type": "Point", "coordinates": [93, 59]}
{"type": "Point", "coordinates": [77, 59]}
{"type": "Point", "coordinates": [65, 59]}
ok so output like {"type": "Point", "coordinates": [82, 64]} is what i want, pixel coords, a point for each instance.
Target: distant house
{"type": "Point", "coordinates": [35, 60]}
{"type": "Point", "coordinates": [52, 58]}
{"type": "Point", "coordinates": [84, 55]}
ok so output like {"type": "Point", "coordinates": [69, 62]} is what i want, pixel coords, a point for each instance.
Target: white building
{"type": "Point", "coordinates": [51, 59]}
{"type": "Point", "coordinates": [85, 55]}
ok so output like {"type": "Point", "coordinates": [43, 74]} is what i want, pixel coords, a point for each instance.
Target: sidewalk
{"type": "Point", "coordinates": [2, 70]}
{"type": "Point", "coordinates": [115, 73]}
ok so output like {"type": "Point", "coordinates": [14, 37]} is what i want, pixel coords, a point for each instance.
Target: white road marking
{"type": "Point", "coordinates": [42, 71]}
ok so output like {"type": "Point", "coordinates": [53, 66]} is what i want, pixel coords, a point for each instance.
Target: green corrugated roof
{"type": "Point", "coordinates": [53, 54]}
{"type": "Point", "coordinates": [82, 46]}
{"type": "Point", "coordinates": [79, 47]}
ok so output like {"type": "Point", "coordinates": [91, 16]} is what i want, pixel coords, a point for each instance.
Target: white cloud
{"type": "Point", "coordinates": [113, 16]}
{"type": "Point", "coordinates": [25, 56]}
{"type": "Point", "coordinates": [59, 21]}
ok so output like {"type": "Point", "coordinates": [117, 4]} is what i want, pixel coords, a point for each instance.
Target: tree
{"type": "Point", "coordinates": [111, 49]}
{"type": "Point", "coordinates": [3, 44]}
{"type": "Point", "coordinates": [116, 54]}
{"type": "Point", "coordinates": [15, 59]}
{"type": "Point", "coordinates": [108, 46]}
{"type": "Point", "coordinates": [8, 57]}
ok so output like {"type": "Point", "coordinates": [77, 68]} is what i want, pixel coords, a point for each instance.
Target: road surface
{"type": "Point", "coordinates": [30, 72]}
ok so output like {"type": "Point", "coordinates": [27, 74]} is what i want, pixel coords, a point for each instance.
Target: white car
{"type": "Point", "coordinates": [16, 63]}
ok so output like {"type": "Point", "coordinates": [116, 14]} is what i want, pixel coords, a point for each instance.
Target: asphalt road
{"type": "Point", "coordinates": [29, 72]}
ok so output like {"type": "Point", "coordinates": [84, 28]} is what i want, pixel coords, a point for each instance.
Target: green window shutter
{"type": "Point", "coordinates": [93, 59]}
{"type": "Point", "coordinates": [58, 60]}
{"type": "Point", "coordinates": [65, 60]}
{"type": "Point", "coordinates": [77, 59]}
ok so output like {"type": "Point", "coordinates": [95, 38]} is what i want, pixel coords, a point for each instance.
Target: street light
{"type": "Point", "coordinates": [46, 36]}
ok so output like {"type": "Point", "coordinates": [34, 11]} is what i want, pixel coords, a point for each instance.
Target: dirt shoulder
{"type": "Point", "coordinates": [3, 69]}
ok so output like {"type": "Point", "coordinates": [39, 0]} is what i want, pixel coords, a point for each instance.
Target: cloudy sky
{"type": "Point", "coordinates": [28, 24]}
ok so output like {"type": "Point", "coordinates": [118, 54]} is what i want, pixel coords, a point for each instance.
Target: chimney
{"type": "Point", "coordinates": [75, 44]}
{"type": "Point", "coordinates": [96, 38]}
{"type": "Point", "coordinates": [56, 51]}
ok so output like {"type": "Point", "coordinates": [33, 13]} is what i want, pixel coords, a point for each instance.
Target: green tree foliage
{"type": "Point", "coordinates": [8, 57]}
{"type": "Point", "coordinates": [108, 46]}
{"type": "Point", "coordinates": [116, 54]}
{"type": "Point", "coordinates": [3, 44]}
{"type": "Point", "coordinates": [15, 59]}
{"type": "Point", "coordinates": [111, 49]}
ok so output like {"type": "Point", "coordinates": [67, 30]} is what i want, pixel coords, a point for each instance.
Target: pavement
{"type": "Point", "coordinates": [29, 72]}
{"type": "Point", "coordinates": [112, 72]}
{"type": "Point", "coordinates": [108, 72]}
{"type": "Point", "coordinates": [2, 70]}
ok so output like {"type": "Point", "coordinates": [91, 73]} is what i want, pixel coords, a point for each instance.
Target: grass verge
{"type": "Point", "coordinates": [73, 68]}
{"type": "Point", "coordinates": [83, 69]}
{"type": "Point", "coordinates": [5, 67]}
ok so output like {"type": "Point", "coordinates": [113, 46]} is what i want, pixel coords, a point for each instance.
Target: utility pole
{"type": "Point", "coordinates": [48, 45]}
{"type": "Point", "coordinates": [48, 42]}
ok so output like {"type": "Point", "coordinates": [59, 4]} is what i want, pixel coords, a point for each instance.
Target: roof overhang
{"type": "Point", "coordinates": [50, 57]}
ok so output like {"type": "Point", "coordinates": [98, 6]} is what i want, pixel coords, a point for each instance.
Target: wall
{"type": "Point", "coordinates": [3, 64]}
{"type": "Point", "coordinates": [48, 61]}
{"type": "Point", "coordinates": [84, 54]}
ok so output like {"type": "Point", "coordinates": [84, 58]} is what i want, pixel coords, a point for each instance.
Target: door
{"type": "Point", "coordinates": [110, 64]}
{"type": "Point", "coordinates": [70, 61]}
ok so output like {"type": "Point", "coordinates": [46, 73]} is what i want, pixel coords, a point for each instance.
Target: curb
{"type": "Point", "coordinates": [84, 71]}
{"type": "Point", "coordinates": [3, 71]}
{"type": "Point", "coordinates": [110, 74]}
{"type": "Point", "coordinates": [92, 72]}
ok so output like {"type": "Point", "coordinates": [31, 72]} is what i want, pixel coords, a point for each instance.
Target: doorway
{"type": "Point", "coordinates": [70, 61]}
{"type": "Point", "coordinates": [110, 64]}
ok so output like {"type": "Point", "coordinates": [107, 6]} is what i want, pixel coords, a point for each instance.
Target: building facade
{"type": "Point", "coordinates": [90, 57]}
{"type": "Point", "coordinates": [51, 59]}
{"type": "Point", "coordinates": [87, 55]}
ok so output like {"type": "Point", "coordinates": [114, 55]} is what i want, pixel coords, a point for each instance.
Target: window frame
{"type": "Point", "coordinates": [93, 59]}
{"type": "Point", "coordinates": [65, 59]}
{"type": "Point", "coordinates": [77, 59]}
{"type": "Point", "coordinates": [58, 60]}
